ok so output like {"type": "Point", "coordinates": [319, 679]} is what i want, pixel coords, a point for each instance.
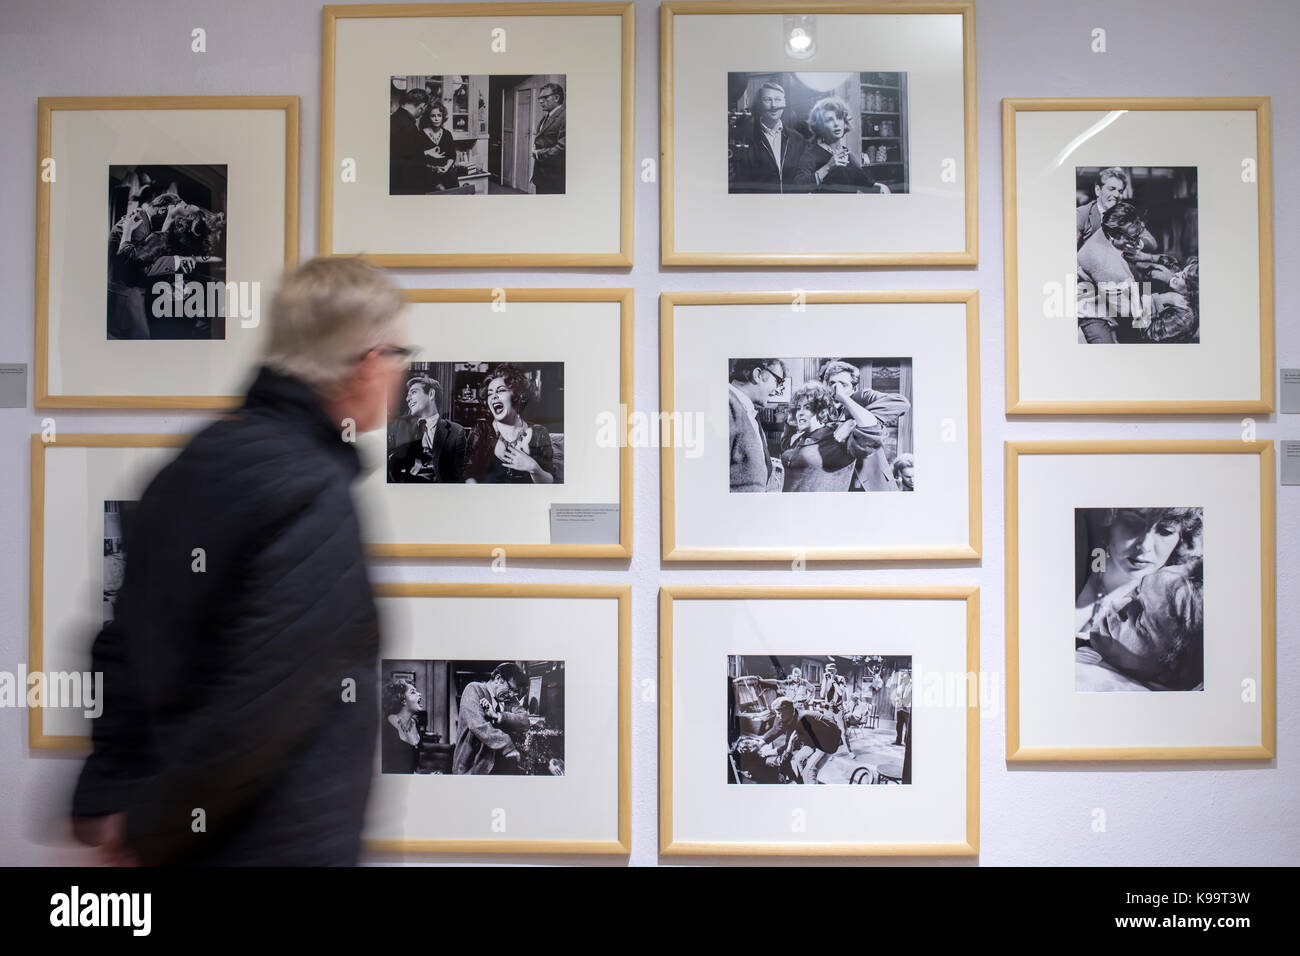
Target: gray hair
{"type": "Point", "coordinates": [326, 314]}
{"type": "Point", "coordinates": [1114, 172]}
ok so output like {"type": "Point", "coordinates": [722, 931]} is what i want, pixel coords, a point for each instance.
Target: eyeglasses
{"type": "Point", "coordinates": [780, 379]}
{"type": "Point", "coordinates": [392, 351]}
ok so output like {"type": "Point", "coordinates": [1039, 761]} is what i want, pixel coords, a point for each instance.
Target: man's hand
{"type": "Point", "coordinates": [109, 834]}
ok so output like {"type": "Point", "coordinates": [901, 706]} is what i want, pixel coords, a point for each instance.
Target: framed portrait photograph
{"type": "Point", "coordinates": [508, 437]}
{"type": "Point", "coordinates": [520, 156]}
{"type": "Point", "coordinates": [813, 694]}
{"type": "Point", "coordinates": [1140, 600]}
{"type": "Point", "coordinates": [83, 491]}
{"type": "Point", "coordinates": [819, 425]}
{"type": "Point", "coordinates": [506, 725]}
{"type": "Point", "coordinates": [818, 133]}
{"type": "Point", "coordinates": [1139, 255]}
{"type": "Point", "coordinates": [163, 224]}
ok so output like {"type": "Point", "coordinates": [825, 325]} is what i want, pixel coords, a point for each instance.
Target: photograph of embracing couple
{"type": "Point", "coordinates": [1138, 263]}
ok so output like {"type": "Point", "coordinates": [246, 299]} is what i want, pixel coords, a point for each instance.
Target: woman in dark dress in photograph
{"type": "Point", "coordinates": [400, 752]}
{"type": "Point", "coordinates": [822, 452]}
{"type": "Point", "coordinates": [442, 160]}
{"type": "Point", "coordinates": [505, 449]}
{"type": "Point", "coordinates": [829, 165]}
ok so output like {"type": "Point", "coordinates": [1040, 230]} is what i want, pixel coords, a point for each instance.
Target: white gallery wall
{"type": "Point", "coordinates": [1201, 814]}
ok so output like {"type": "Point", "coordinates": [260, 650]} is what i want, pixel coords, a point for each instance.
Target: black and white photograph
{"type": "Point", "coordinates": [830, 719]}
{"type": "Point", "coordinates": [479, 423]}
{"type": "Point", "coordinates": [455, 134]}
{"type": "Point", "coordinates": [116, 514]}
{"type": "Point", "coordinates": [473, 717]}
{"type": "Point", "coordinates": [167, 252]}
{"type": "Point", "coordinates": [1138, 255]}
{"type": "Point", "coordinates": [820, 424]}
{"type": "Point", "coordinates": [817, 132]}
{"type": "Point", "coordinates": [1139, 614]}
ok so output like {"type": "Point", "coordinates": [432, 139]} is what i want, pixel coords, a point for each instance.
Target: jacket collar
{"type": "Point", "coordinates": [284, 396]}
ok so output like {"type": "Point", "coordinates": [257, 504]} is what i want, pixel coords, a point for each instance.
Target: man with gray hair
{"type": "Point", "coordinates": [1113, 184]}
{"type": "Point", "coordinates": [240, 670]}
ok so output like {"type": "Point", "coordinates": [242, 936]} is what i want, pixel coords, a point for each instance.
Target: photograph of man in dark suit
{"type": "Point", "coordinates": [754, 382]}
{"type": "Point", "coordinates": [409, 172]}
{"type": "Point", "coordinates": [548, 142]}
{"type": "Point", "coordinates": [424, 446]}
{"type": "Point", "coordinates": [772, 152]}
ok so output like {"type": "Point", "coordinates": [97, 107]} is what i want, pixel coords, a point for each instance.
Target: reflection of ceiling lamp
{"type": "Point", "coordinates": [822, 82]}
{"type": "Point", "coordinates": [800, 35]}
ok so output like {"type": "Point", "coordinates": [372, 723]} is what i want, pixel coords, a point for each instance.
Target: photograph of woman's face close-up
{"type": "Point", "coordinates": [1139, 610]}
{"type": "Point", "coordinates": [501, 400]}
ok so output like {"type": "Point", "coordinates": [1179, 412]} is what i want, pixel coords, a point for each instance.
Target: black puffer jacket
{"type": "Point", "coordinates": [226, 687]}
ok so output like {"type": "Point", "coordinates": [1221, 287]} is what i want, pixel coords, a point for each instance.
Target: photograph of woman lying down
{"type": "Point", "coordinates": [1139, 614]}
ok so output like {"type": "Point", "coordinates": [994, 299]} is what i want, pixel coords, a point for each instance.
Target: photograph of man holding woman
{"type": "Point", "coordinates": [1139, 611]}
{"type": "Point", "coordinates": [473, 717]}
{"type": "Point", "coordinates": [820, 424]}
{"type": "Point", "coordinates": [817, 133]}
{"type": "Point", "coordinates": [1138, 268]}
{"type": "Point", "coordinates": [479, 423]}
{"type": "Point", "coordinates": [166, 223]}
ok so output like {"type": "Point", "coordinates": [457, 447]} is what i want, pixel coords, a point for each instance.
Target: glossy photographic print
{"type": "Point", "coordinates": [463, 134]}
{"type": "Point", "coordinates": [116, 515]}
{"type": "Point", "coordinates": [1138, 254]}
{"type": "Point", "coordinates": [1140, 610]}
{"type": "Point", "coordinates": [817, 132]}
{"type": "Point", "coordinates": [167, 252]}
{"type": "Point", "coordinates": [473, 717]}
{"type": "Point", "coordinates": [824, 719]}
{"type": "Point", "coordinates": [479, 423]}
{"type": "Point", "coordinates": [820, 424]}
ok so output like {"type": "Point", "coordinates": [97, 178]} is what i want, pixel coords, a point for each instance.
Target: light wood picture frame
{"type": "Point", "coordinates": [935, 334]}
{"type": "Point", "coordinates": [1206, 189]}
{"type": "Point", "coordinates": [98, 153]}
{"type": "Point", "coordinates": [925, 118]}
{"type": "Point", "coordinates": [607, 658]}
{"type": "Point", "coordinates": [545, 41]}
{"type": "Point", "coordinates": [65, 615]}
{"type": "Point", "coordinates": [557, 328]}
{"type": "Point", "coordinates": [691, 666]}
{"type": "Point", "coordinates": [1194, 603]}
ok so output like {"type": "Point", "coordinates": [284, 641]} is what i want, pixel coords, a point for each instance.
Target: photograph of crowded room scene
{"type": "Point", "coordinates": [832, 719]}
